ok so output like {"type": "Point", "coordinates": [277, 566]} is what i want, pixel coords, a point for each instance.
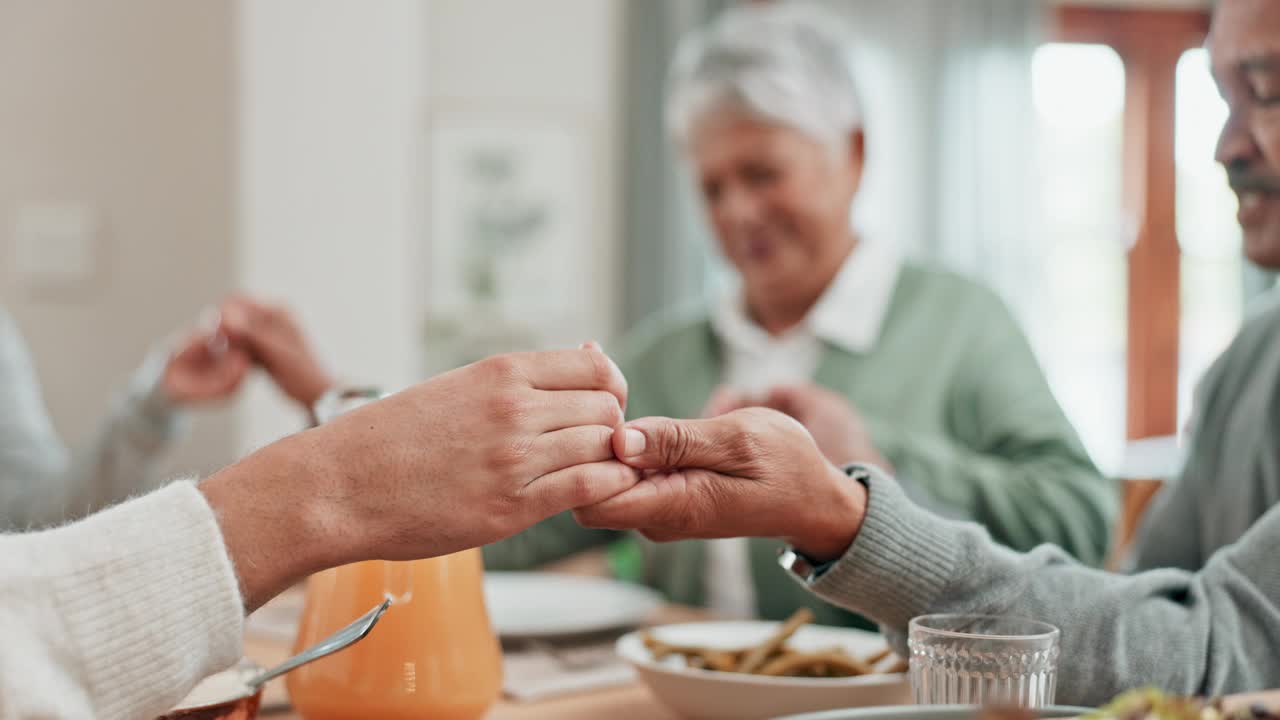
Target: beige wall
{"type": "Point", "coordinates": [274, 146]}
{"type": "Point", "coordinates": [332, 96]}
{"type": "Point", "coordinates": [331, 181]}
{"type": "Point", "coordinates": [560, 59]}
{"type": "Point", "coordinates": [123, 106]}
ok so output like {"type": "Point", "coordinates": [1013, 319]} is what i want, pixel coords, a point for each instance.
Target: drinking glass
{"type": "Point", "coordinates": [983, 660]}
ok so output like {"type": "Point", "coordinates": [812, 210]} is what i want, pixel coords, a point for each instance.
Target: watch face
{"type": "Point", "coordinates": [796, 564]}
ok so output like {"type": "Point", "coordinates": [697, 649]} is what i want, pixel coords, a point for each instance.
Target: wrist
{"type": "Point", "coordinates": [834, 520]}
{"type": "Point", "coordinates": [310, 392]}
{"type": "Point", "coordinates": [278, 525]}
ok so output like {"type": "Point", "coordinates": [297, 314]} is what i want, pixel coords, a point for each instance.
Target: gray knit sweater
{"type": "Point", "coordinates": [1201, 615]}
{"type": "Point", "coordinates": [41, 482]}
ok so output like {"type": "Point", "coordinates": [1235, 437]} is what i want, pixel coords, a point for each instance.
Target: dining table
{"type": "Point", "coordinates": [626, 702]}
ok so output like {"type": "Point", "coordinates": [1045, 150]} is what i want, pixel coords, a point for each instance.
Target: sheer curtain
{"type": "Point", "coordinates": [950, 122]}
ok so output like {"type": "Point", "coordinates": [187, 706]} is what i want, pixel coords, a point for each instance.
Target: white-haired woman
{"type": "Point", "coordinates": [884, 360]}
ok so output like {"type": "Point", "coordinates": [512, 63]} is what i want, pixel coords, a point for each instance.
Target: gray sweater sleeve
{"type": "Point", "coordinates": [1170, 531]}
{"type": "Point", "coordinates": [41, 482]}
{"type": "Point", "coordinates": [1210, 632]}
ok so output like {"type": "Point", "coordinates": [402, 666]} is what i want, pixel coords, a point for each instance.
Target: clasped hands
{"type": "Point", "coordinates": [743, 471]}
{"type": "Point", "coordinates": [749, 472]}
{"type": "Point", "coordinates": [480, 453]}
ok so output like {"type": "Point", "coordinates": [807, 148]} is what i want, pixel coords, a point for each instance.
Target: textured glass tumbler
{"type": "Point", "coordinates": [983, 660]}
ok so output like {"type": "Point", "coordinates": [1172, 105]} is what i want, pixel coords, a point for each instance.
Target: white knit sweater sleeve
{"type": "Point", "coordinates": [118, 615]}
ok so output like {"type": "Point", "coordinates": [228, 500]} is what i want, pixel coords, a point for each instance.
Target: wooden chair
{"type": "Point", "coordinates": [1146, 463]}
{"type": "Point", "coordinates": [1135, 497]}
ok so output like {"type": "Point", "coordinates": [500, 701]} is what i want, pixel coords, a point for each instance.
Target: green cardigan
{"type": "Point", "coordinates": [953, 397]}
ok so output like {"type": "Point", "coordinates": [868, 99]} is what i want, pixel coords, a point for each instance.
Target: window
{"type": "Point", "coordinates": [1079, 92]}
{"type": "Point", "coordinates": [1209, 237]}
{"type": "Point", "coordinates": [1145, 277]}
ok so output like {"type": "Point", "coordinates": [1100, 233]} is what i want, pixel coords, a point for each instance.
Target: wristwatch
{"type": "Point", "coordinates": [339, 400]}
{"type": "Point", "coordinates": [804, 568]}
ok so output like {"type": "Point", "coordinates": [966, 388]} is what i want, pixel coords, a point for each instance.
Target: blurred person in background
{"type": "Point", "coordinates": [884, 360]}
{"type": "Point", "coordinates": [43, 483]}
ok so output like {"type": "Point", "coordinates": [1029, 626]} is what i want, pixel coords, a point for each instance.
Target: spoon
{"type": "Point", "coordinates": [345, 637]}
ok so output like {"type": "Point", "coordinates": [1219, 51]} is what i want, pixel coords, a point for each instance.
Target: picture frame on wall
{"type": "Point", "coordinates": [509, 250]}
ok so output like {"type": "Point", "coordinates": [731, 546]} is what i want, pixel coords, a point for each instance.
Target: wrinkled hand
{"type": "Point", "coordinates": [275, 340]}
{"type": "Point", "coordinates": [204, 369]}
{"type": "Point", "coordinates": [831, 419]}
{"type": "Point", "coordinates": [752, 472]}
{"type": "Point", "coordinates": [459, 461]}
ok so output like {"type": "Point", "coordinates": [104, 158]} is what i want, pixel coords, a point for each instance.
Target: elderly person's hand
{"type": "Point", "coordinates": [833, 421]}
{"type": "Point", "coordinates": [275, 340]}
{"type": "Point", "coordinates": [462, 460]}
{"type": "Point", "coordinates": [752, 472]}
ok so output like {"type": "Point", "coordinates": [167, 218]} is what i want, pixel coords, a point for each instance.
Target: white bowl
{"type": "Point", "coordinates": [709, 695]}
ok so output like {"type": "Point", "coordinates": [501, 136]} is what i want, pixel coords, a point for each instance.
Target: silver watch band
{"type": "Point", "coordinates": [797, 564]}
{"type": "Point", "coordinates": [803, 567]}
{"type": "Point", "coordinates": [339, 400]}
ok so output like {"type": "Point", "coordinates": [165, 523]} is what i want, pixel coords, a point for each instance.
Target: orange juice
{"type": "Point", "coordinates": [433, 654]}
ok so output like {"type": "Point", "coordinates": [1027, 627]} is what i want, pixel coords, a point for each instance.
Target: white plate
{"type": "Point", "coordinates": [546, 605]}
{"type": "Point", "coordinates": [923, 712]}
{"type": "Point", "coordinates": [228, 686]}
{"type": "Point", "coordinates": [708, 695]}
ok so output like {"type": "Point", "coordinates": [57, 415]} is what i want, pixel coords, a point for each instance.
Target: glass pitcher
{"type": "Point", "coordinates": [433, 654]}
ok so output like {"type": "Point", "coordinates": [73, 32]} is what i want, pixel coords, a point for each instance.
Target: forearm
{"type": "Point", "coordinates": [36, 488]}
{"type": "Point", "coordinates": [43, 484]}
{"type": "Point", "coordinates": [277, 517]}
{"type": "Point", "coordinates": [1183, 632]}
{"type": "Point", "coordinates": [77, 603]}
{"type": "Point", "coordinates": [1048, 495]}
{"type": "Point", "coordinates": [121, 459]}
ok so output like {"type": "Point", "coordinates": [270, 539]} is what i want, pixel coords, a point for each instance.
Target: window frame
{"type": "Point", "coordinates": [1149, 42]}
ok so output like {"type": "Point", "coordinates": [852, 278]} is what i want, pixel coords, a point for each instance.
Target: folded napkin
{"type": "Point", "coordinates": [536, 670]}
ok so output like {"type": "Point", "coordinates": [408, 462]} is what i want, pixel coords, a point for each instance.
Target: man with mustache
{"type": "Point", "coordinates": [1203, 616]}
{"type": "Point", "coordinates": [1234, 449]}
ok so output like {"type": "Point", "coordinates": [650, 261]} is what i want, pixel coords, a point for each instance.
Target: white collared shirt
{"type": "Point", "coordinates": [849, 315]}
